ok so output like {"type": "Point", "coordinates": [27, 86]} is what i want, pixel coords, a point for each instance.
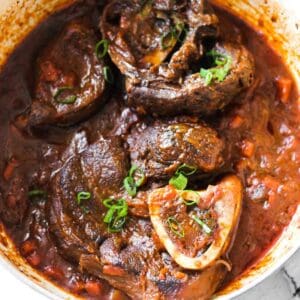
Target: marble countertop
{"type": "Point", "coordinates": [283, 285]}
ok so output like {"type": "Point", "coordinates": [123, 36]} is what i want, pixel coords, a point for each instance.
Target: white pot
{"type": "Point", "coordinates": [18, 18]}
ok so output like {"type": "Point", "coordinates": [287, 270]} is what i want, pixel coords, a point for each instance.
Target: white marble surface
{"type": "Point", "coordinates": [283, 285]}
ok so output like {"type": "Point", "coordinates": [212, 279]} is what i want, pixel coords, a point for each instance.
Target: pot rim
{"type": "Point", "coordinates": [250, 278]}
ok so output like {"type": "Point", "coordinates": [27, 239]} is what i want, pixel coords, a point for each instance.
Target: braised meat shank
{"type": "Point", "coordinates": [150, 149]}
{"type": "Point", "coordinates": [70, 81]}
{"type": "Point", "coordinates": [161, 51]}
{"type": "Point", "coordinates": [160, 148]}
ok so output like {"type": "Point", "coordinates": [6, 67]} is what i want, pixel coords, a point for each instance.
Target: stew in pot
{"type": "Point", "coordinates": [150, 149]}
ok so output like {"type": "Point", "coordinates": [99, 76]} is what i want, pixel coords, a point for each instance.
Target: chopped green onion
{"type": "Point", "coordinates": [175, 227]}
{"type": "Point", "coordinates": [108, 75]}
{"type": "Point", "coordinates": [167, 40]}
{"type": "Point", "coordinates": [101, 48]}
{"type": "Point", "coordinates": [218, 73]}
{"type": "Point", "coordinates": [134, 180]}
{"type": "Point", "coordinates": [137, 172]}
{"type": "Point", "coordinates": [36, 193]}
{"type": "Point", "coordinates": [146, 8]}
{"type": "Point", "coordinates": [68, 100]}
{"type": "Point", "coordinates": [192, 200]}
{"type": "Point", "coordinates": [130, 186]}
{"type": "Point", "coordinates": [85, 209]}
{"type": "Point", "coordinates": [170, 38]}
{"type": "Point", "coordinates": [204, 226]}
{"type": "Point", "coordinates": [116, 214]}
{"type": "Point", "coordinates": [179, 181]}
{"type": "Point", "coordinates": [82, 196]}
{"type": "Point", "coordinates": [186, 170]}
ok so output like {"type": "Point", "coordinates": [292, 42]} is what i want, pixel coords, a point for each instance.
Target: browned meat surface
{"type": "Point", "coordinates": [193, 95]}
{"type": "Point", "coordinates": [161, 50]}
{"type": "Point", "coordinates": [122, 199]}
{"type": "Point", "coordinates": [99, 169]}
{"type": "Point", "coordinates": [70, 81]}
{"type": "Point", "coordinates": [160, 148]}
{"type": "Point", "coordinates": [131, 260]}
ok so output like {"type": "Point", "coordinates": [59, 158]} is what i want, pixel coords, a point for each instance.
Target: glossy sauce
{"type": "Point", "coordinates": [262, 127]}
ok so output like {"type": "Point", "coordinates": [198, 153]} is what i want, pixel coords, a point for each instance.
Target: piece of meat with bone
{"type": "Point", "coordinates": [173, 58]}
{"type": "Point", "coordinates": [215, 213]}
{"type": "Point", "coordinates": [160, 148]}
{"type": "Point", "coordinates": [131, 255]}
{"type": "Point", "coordinates": [70, 82]}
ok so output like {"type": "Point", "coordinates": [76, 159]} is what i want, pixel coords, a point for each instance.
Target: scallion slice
{"type": "Point", "coordinates": [220, 71]}
{"type": "Point", "coordinates": [116, 215]}
{"type": "Point", "coordinates": [175, 227]}
{"type": "Point", "coordinates": [204, 226]}
{"type": "Point", "coordinates": [82, 196]}
{"type": "Point", "coordinates": [101, 48]}
{"type": "Point", "coordinates": [179, 180]}
{"type": "Point", "coordinates": [36, 193]}
{"type": "Point", "coordinates": [108, 75]}
{"type": "Point", "coordinates": [136, 178]}
{"type": "Point", "coordinates": [67, 100]}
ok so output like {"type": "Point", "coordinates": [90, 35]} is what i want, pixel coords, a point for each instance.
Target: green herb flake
{"type": "Point", "coordinates": [180, 180]}
{"type": "Point", "coordinates": [220, 71]}
{"type": "Point", "coordinates": [175, 227]}
{"type": "Point", "coordinates": [64, 100]}
{"type": "Point", "coordinates": [116, 215]}
{"type": "Point", "coordinates": [36, 193]}
{"type": "Point", "coordinates": [82, 196]}
{"type": "Point", "coordinates": [108, 75]}
{"type": "Point", "coordinates": [204, 226]}
{"type": "Point", "coordinates": [101, 48]}
{"type": "Point", "coordinates": [135, 179]}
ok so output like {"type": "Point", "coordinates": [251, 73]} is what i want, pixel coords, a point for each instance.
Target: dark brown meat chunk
{"type": "Point", "coordinates": [161, 49]}
{"type": "Point", "coordinates": [131, 260]}
{"type": "Point", "coordinates": [99, 169]}
{"type": "Point", "coordinates": [70, 81]}
{"type": "Point", "coordinates": [193, 95]}
{"type": "Point", "coordinates": [159, 149]}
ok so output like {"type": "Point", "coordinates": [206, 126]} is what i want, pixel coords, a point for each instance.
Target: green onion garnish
{"type": "Point", "coordinates": [175, 227]}
{"type": "Point", "coordinates": [179, 180]}
{"type": "Point", "coordinates": [108, 75]}
{"type": "Point", "coordinates": [36, 193]}
{"type": "Point", "coordinates": [116, 214]}
{"type": "Point", "coordinates": [134, 180]}
{"type": "Point", "coordinates": [220, 71]}
{"type": "Point", "coordinates": [204, 226]}
{"type": "Point", "coordinates": [190, 197]}
{"type": "Point", "coordinates": [187, 170]}
{"type": "Point", "coordinates": [82, 196]}
{"type": "Point", "coordinates": [170, 38]}
{"type": "Point", "coordinates": [101, 48]}
{"type": "Point", "coordinates": [67, 100]}
{"type": "Point", "coordinates": [130, 186]}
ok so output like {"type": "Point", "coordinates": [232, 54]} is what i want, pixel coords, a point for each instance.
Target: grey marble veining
{"type": "Point", "coordinates": [283, 285]}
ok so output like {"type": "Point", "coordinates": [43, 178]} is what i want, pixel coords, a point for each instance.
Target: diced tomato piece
{"type": "Point", "coordinates": [93, 288]}
{"type": "Point", "coordinates": [28, 247]}
{"type": "Point", "coordinates": [10, 167]}
{"type": "Point", "coordinates": [248, 148]}
{"type": "Point", "coordinates": [284, 87]}
{"type": "Point", "coordinates": [113, 270]}
{"type": "Point", "coordinates": [54, 273]}
{"type": "Point", "coordinates": [34, 259]}
{"type": "Point", "coordinates": [236, 122]}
